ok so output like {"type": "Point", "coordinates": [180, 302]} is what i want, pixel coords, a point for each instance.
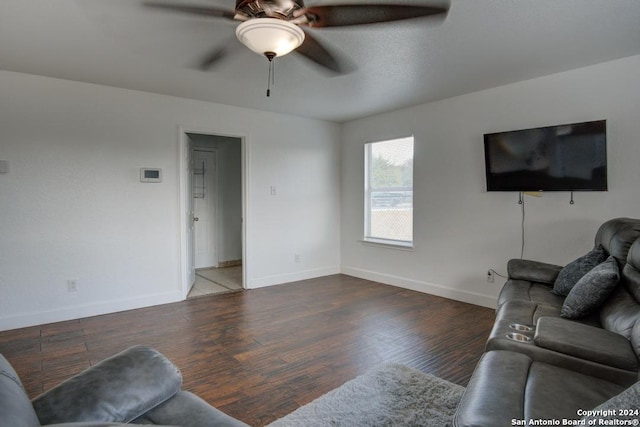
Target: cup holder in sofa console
{"type": "Point", "coordinates": [518, 337]}
{"type": "Point", "coordinates": [519, 327]}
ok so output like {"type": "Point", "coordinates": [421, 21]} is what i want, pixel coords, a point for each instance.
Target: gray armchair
{"type": "Point", "coordinates": [138, 386]}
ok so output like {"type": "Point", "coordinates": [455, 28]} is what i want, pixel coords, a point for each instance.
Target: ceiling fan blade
{"type": "Point", "coordinates": [212, 58]}
{"type": "Point", "coordinates": [217, 54]}
{"type": "Point", "coordinates": [359, 14]}
{"type": "Point", "coordinates": [193, 10]}
{"type": "Point", "coordinates": [313, 50]}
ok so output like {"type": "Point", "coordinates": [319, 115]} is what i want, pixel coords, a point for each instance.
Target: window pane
{"type": "Point", "coordinates": [389, 190]}
{"type": "Point", "coordinates": [392, 164]}
{"type": "Point", "coordinates": [392, 215]}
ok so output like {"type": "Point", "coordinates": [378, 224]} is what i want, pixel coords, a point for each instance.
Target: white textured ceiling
{"type": "Point", "coordinates": [480, 44]}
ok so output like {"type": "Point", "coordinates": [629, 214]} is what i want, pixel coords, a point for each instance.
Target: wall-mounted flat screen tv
{"type": "Point", "coordinates": [570, 157]}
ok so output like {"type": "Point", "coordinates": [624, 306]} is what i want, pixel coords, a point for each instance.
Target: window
{"type": "Point", "coordinates": [389, 192]}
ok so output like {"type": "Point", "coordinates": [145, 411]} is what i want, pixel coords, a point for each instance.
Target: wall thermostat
{"type": "Point", "coordinates": [150, 175]}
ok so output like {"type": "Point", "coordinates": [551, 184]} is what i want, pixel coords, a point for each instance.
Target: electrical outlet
{"type": "Point", "coordinates": [296, 258]}
{"type": "Point", "coordinates": [490, 277]}
{"type": "Point", "coordinates": [72, 285]}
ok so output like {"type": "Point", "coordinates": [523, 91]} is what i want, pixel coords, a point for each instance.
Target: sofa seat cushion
{"type": "Point", "coordinates": [510, 386]}
{"type": "Point", "coordinates": [557, 393]}
{"type": "Point", "coordinates": [528, 313]}
{"type": "Point", "coordinates": [118, 389]}
{"type": "Point", "coordinates": [585, 342]}
{"type": "Point", "coordinates": [518, 311]}
{"type": "Point", "coordinates": [522, 290]}
{"type": "Point", "coordinates": [495, 394]}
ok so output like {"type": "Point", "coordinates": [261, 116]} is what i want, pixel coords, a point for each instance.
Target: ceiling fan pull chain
{"type": "Point", "coordinates": [269, 79]}
{"type": "Point", "coordinates": [270, 56]}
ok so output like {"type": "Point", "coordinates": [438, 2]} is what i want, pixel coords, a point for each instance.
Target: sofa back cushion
{"type": "Point", "coordinates": [15, 406]}
{"type": "Point", "coordinates": [631, 272]}
{"type": "Point", "coordinates": [635, 339]}
{"type": "Point", "coordinates": [617, 235]}
{"type": "Point", "coordinates": [631, 282]}
{"type": "Point", "coordinates": [621, 312]}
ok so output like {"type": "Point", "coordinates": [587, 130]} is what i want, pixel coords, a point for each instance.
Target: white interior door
{"type": "Point", "coordinates": [205, 192]}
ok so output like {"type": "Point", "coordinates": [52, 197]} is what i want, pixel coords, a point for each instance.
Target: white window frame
{"type": "Point", "coordinates": [368, 190]}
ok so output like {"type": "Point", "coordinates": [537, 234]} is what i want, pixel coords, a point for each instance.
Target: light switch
{"type": "Point", "coordinates": [4, 166]}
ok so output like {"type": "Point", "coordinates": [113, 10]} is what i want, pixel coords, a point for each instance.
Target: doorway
{"type": "Point", "coordinates": [213, 212]}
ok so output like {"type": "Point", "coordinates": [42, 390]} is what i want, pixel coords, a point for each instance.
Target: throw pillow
{"type": "Point", "coordinates": [591, 290]}
{"type": "Point", "coordinates": [572, 272]}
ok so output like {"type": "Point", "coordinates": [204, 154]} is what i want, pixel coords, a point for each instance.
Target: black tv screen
{"type": "Point", "coordinates": [570, 157]}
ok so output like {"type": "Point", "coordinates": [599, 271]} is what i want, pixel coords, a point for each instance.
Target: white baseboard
{"type": "Point", "coordinates": [292, 277]}
{"type": "Point", "coordinates": [427, 288]}
{"type": "Point", "coordinates": [77, 312]}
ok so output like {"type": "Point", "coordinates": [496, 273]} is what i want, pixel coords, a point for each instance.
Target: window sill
{"type": "Point", "coordinates": [390, 244]}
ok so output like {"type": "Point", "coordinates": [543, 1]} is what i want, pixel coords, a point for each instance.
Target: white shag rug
{"type": "Point", "coordinates": [389, 395]}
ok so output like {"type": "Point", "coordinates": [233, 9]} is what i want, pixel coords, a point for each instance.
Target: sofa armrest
{"type": "Point", "coordinates": [118, 389]}
{"type": "Point", "coordinates": [585, 342]}
{"type": "Point", "coordinates": [188, 410]}
{"type": "Point", "coordinates": [533, 271]}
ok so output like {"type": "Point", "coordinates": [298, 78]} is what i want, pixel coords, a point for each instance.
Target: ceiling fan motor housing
{"type": "Point", "coordinates": [280, 9]}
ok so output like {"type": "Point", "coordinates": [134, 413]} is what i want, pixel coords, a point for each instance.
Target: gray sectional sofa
{"type": "Point", "coordinates": [566, 341]}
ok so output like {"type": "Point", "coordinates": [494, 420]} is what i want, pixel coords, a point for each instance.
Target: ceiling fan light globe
{"type": "Point", "coordinates": [263, 35]}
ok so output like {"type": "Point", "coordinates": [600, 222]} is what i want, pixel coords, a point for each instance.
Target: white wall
{"type": "Point", "coordinates": [461, 230]}
{"type": "Point", "coordinates": [72, 206]}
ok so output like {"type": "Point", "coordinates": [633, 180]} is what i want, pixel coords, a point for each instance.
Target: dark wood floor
{"type": "Point", "coordinates": [260, 354]}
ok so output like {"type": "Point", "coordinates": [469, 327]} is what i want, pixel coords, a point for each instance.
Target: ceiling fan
{"type": "Point", "coordinates": [277, 27]}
